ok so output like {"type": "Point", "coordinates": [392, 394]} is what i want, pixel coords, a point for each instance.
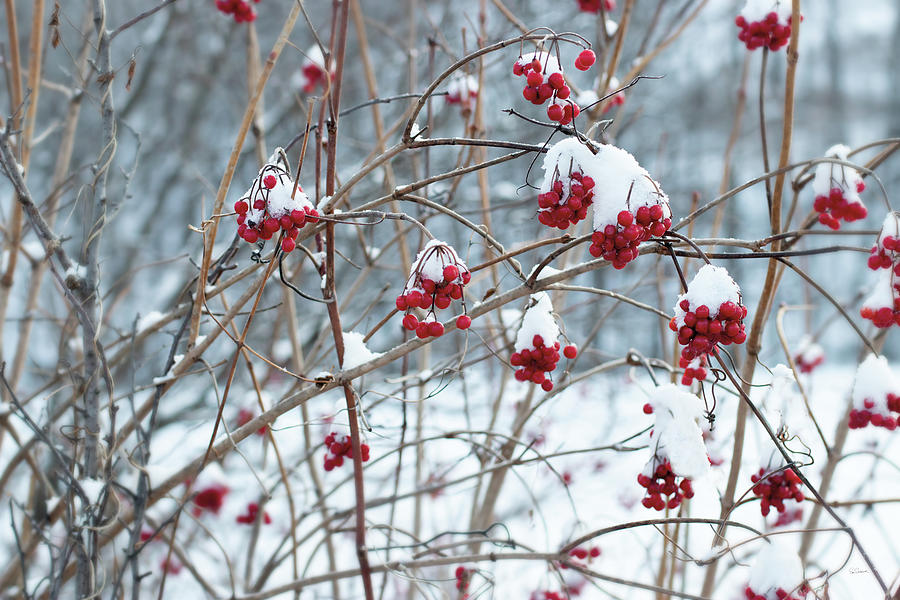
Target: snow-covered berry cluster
{"type": "Point", "coordinates": [568, 199]}
{"type": "Point", "coordinates": [765, 24]}
{"type": "Point", "coordinates": [462, 91]}
{"type": "Point", "coordinates": [248, 517]}
{"type": "Point", "coordinates": [547, 595]}
{"type": "Point", "coordinates": [272, 204]}
{"type": "Point", "coordinates": [337, 447]}
{"type": "Point", "coordinates": [210, 499]}
{"type": "Point", "coordinates": [632, 210]}
{"type": "Point", "coordinates": [679, 454]}
{"type": "Point", "coordinates": [707, 314]}
{"type": "Point", "coordinates": [437, 277]}
{"type": "Point", "coordinates": [882, 307]}
{"type": "Point", "coordinates": [536, 350]}
{"type": "Point", "coordinates": [774, 488]}
{"type": "Point", "coordinates": [876, 395]}
{"type": "Point", "coordinates": [837, 189]}
{"type": "Point", "coordinates": [777, 574]}
{"type": "Point", "coordinates": [241, 10]}
{"type": "Point", "coordinates": [544, 80]}
{"type": "Point", "coordinates": [312, 70]}
{"type": "Point", "coordinates": [593, 6]}
{"type": "Point", "coordinates": [809, 355]}
{"type": "Point", "coordinates": [463, 580]}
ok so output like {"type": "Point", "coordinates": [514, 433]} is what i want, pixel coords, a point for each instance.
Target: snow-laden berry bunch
{"type": "Point", "coordinates": [876, 395]}
{"type": "Point", "coordinates": [536, 349]}
{"type": "Point", "coordinates": [679, 454]}
{"type": "Point", "coordinates": [462, 91]}
{"type": "Point", "coordinates": [882, 307]}
{"type": "Point", "coordinates": [773, 488]}
{"type": "Point", "coordinates": [312, 70]}
{"type": "Point", "coordinates": [707, 314]}
{"type": "Point", "coordinates": [593, 6]}
{"type": "Point", "coordinates": [248, 517]}
{"type": "Point", "coordinates": [437, 277]}
{"type": "Point", "coordinates": [809, 355]}
{"type": "Point", "coordinates": [241, 10]}
{"type": "Point", "coordinates": [271, 204]}
{"type": "Point", "coordinates": [463, 580]}
{"type": "Point", "coordinates": [567, 190]}
{"type": "Point", "coordinates": [837, 189]}
{"type": "Point", "coordinates": [630, 207]}
{"type": "Point", "coordinates": [544, 80]}
{"type": "Point", "coordinates": [777, 574]}
{"type": "Point", "coordinates": [337, 447]}
{"type": "Point", "coordinates": [765, 24]}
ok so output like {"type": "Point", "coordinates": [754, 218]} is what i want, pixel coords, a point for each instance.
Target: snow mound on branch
{"type": "Point", "coordinates": [549, 62]}
{"type": "Point", "coordinates": [777, 566]}
{"type": "Point", "coordinates": [829, 175]}
{"type": "Point", "coordinates": [677, 430]}
{"type": "Point", "coordinates": [883, 292]}
{"type": "Point", "coordinates": [538, 320]}
{"type": "Point", "coordinates": [355, 350]}
{"type": "Point", "coordinates": [874, 381]}
{"type": "Point", "coordinates": [756, 10]}
{"type": "Point", "coordinates": [430, 263]}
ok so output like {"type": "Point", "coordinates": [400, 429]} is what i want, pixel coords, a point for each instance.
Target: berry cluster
{"type": "Point", "coordinates": [883, 306]}
{"type": "Point", "coordinates": [773, 489]}
{"type": "Point", "coordinates": [836, 206]}
{"type": "Point", "coordinates": [438, 277]}
{"type": "Point", "coordinates": [703, 324]}
{"type": "Point", "coordinates": [869, 416]}
{"type": "Point", "coordinates": [544, 80]}
{"type": "Point", "coordinates": [876, 395]}
{"type": "Point", "coordinates": [272, 204]}
{"type": "Point", "coordinates": [585, 554]}
{"type": "Point", "coordinates": [780, 594]}
{"type": "Point", "coordinates": [809, 356]}
{"type": "Point", "coordinates": [568, 199]}
{"type": "Point", "coordinates": [337, 447]}
{"type": "Point", "coordinates": [837, 188]}
{"type": "Point", "coordinates": [462, 90]}
{"type": "Point", "coordinates": [249, 516]}
{"type": "Point", "coordinates": [618, 242]}
{"type": "Point", "coordinates": [772, 31]}
{"type": "Point", "coordinates": [663, 481]}
{"type": "Point", "coordinates": [210, 499]}
{"type": "Point", "coordinates": [463, 580]}
{"type": "Point", "coordinates": [539, 360]}
{"type": "Point", "coordinates": [788, 517]}
{"type": "Point", "coordinates": [241, 10]}
{"type": "Point", "coordinates": [593, 6]}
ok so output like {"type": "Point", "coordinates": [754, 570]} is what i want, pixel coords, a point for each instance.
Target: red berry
{"type": "Point", "coordinates": [570, 351]}
{"type": "Point", "coordinates": [463, 322]}
{"type": "Point", "coordinates": [586, 58]}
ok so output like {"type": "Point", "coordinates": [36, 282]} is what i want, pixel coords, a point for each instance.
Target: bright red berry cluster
{"type": "Point", "coordinates": [774, 489]}
{"type": "Point", "coordinates": [836, 206]}
{"type": "Point", "coordinates": [249, 516]}
{"type": "Point", "coordinates": [539, 360]}
{"type": "Point", "coordinates": [210, 499]}
{"type": "Point", "coordinates": [769, 32]}
{"type": "Point", "coordinates": [780, 594]}
{"type": "Point", "coordinates": [618, 243]}
{"type": "Point", "coordinates": [701, 331]}
{"type": "Point", "coordinates": [339, 446]}
{"type": "Point", "coordinates": [463, 580]}
{"type": "Point", "coordinates": [593, 6]}
{"type": "Point", "coordinates": [241, 10]}
{"type": "Point", "coordinates": [867, 416]}
{"type": "Point", "coordinates": [567, 201]}
{"type": "Point", "coordinates": [438, 277]}
{"type": "Point", "coordinates": [585, 553]}
{"type": "Point", "coordinates": [272, 204]}
{"type": "Point", "coordinates": [544, 80]}
{"type": "Point", "coordinates": [883, 306]}
{"type": "Point", "coordinates": [665, 489]}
